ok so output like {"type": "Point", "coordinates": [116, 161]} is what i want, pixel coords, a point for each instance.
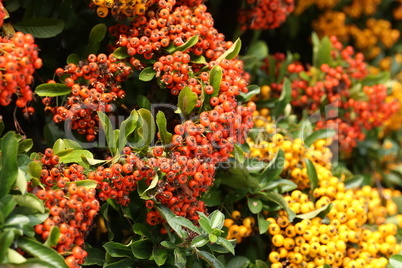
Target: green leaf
{"type": "Point", "coordinates": [279, 200]}
{"type": "Point", "coordinates": [189, 43]}
{"type": "Point", "coordinates": [120, 264]}
{"type": "Point", "coordinates": [213, 238]}
{"type": "Point", "coordinates": [16, 258]}
{"type": "Point", "coordinates": [40, 251]}
{"type": "Point", "coordinates": [143, 188]}
{"type": "Point", "coordinates": [238, 153]}
{"type": "Point", "coordinates": [9, 164]}
{"type": "Point", "coordinates": [70, 144]}
{"type": "Point", "coordinates": [52, 90]}
{"type": "Point", "coordinates": [7, 204]}
{"type": "Point", "coordinates": [53, 237]}
{"type": "Point", "coordinates": [232, 52]}
{"type": "Point", "coordinates": [73, 58]}
{"type": "Point", "coordinates": [88, 184]}
{"type": "Point", "coordinates": [238, 262]}
{"type": "Point", "coordinates": [321, 50]}
{"type": "Point", "coordinates": [395, 261]}
{"type": "Point", "coordinates": [169, 215]}
{"type": "Point", "coordinates": [252, 91]}
{"type": "Point", "coordinates": [95, 256]}
{"type": "Point", "coordinates": [226, 244]}
{"type": "Point", "coordinates": [97, 34]}
{"type": "Point", "coordinates": [238, 176]}
{"type": "Point", "coordinates": [40, 27]}
{"type": "Point", "coordinates": [141, 249]}
{"type": "Point", "coordinates": [216, 219]}
{"type": "Point", "coordinates": [147, 74]}
{"type": "Point", "coordinates": [326, 266]}
{"type": "Point", "coordinates": [200, 241]}
{"type": "Point", "coordinates": [118, 250]}
{"type": "Point", "coordinates": [1, 127]}
{"type": "Point", "coordinates": [312, 174]}
{"type": "Point", "coordinates": [143, 102]}
{"type": "Point", "coordinates": [258, 49]}
{"type": "Point", "coordinates": [74, 156]}
{"type": "Point", "coordinates": [146, 130]}
{"type": "Point", "coordinates": [255, 205]}
{"type": "Point", "coordinates": [6, 239]}
{"type": "Point", "coordinates": [375, 79]}
{"type": "Point", "coordinates": [354, 181]}
{"type": "Point", "coordinates": [58, 146]}
{"type": "Point", "coordinates": [108, 130]}
{"type": "Point", "coordinates": [185, 223]}
{"type": "Point", "coordinates": [21, 182]}
{"type": "Point", "coordinates": [272, 171]}
{"type": "Point", "coordinates": [160, 255]}
{"type": "Point", "coordinates": [180, 259]}
{"type": "Point", "coordinates": [31, 201]}
{"type": "Point", "coordinates": [283, 100]}
{"type": "Point", "coordinates": [127, 127]}
{"type": "Point", "coordinates": [142, 230]}
{"type": "Point", "coordinates": [166, 137]}
{"type": "Point", "coordinates": [318, 135]}
{"type": "Point", "coordinates": [121, 53]}
{"type": "Point", "coordinates": [25, 145]}
{"type": "Point", "coordinates": [215, 79]}
{"type": "Point", "coordinates": [187, 100]}
{"type": "Point", "coordinates": [262, 223]}
{"type": "Point", "coordinates": [314, 213]}
{"type": "Point", "coordinates": [210, 259]}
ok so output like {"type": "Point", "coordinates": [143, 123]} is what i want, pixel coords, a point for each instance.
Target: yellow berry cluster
{"type": "Point", "coordinates": [126, 8]}
{"type": "Point", "coordinates": [321, 4]}
{"type": "Point", "coordinates": [268, 143]}
{"type": "Point", "coordinates": [332, 23]}
{"type": "Point", "coordinates": [239, 228]}
{"type": "Point", "coordinates": [360, 8]}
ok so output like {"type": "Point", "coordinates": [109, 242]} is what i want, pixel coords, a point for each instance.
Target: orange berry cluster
{"type": "Point", "coordinates": [239, 228]}
{"type": "Point", "coordinates": [334, 84]}
{"type": "Point", "coordinates": [72, 208]}
{"type": "Point", "coordinates": [266, 14]}
{"type": "Point", "coordinates": [18, 61]}
{"type": "Point", "coordinates": [197, 146]}
{"type": "Point", "coordinates": [2, 13]}
{"type": "Point", "coordinates": [121, 8]}
{"type": "Point", "coordinates": [95, 84]}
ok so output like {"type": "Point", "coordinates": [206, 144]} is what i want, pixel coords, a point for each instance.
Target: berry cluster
{"type": "Point", "coordinates": [95, 85]}
{"type": "Point", "coordinates": [262, 15]}
{"type": "Point", "coordinates": [335, 83]}
{"type": "Point", "coordinates": [18, 61]}
{"type": "Point", "coordinates": [239, 228]}
{"type": "Point", "coordinates": [121, 8]}
{"type": "Point", "coordinates": [2, 13]}
{"type": "Point", "coordinates": [72, 208]}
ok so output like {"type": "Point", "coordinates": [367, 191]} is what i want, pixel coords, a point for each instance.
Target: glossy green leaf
{"type": "Point", "coordinates": [6, 239]}
{"type": "Point", "coordinates": [318, 135]}
{"type": "Point", "coordinates": [40, 251]}
{"type": "Point", "coordinates": [108, 130]}
{"type": "Point", "coordinates": [143, 188]}
{"type": "Point", "coordinates": [212, 238]}
{"type": "Point", "coordinates": [147, 74]}
{"type": "Point", "coordinates": [146, 130]}
{"type": "Point", "coordinates": [187, 100]}
{"type": "Point", "coordinates": [52, 90]}
{"type": "Point", "coordinates": [169, 215]}
{"type": "Point", "coordinates": [375, 79]}
{"type": "Point", "coordinates": [321, 50]}
{"type": "Point", "coordinates": [53, 237]}
{"type": "Point", "coordinates": [97, 34]}
{"type": "Point", "coordinates": [21, 182]}
{"type": "Point", "coordinates": [73, 58]}
{"type": "Point", "coordinates": [31, 201]}
{"type": "Point", "coordinates": [88, 184]}
{"type": "Point", "coordinates": [232, 52]}
{"type": "Point", "coordinates": [205, 222]}
{"type": "Point", "coordinates": [96, 256]}
{"type": "Point", "coordinates": [258, 49]}
{"type": "Point", "coordinates": [16, 258]}
{"type": "Point", "coordinates": [226, 244]}
{"type": "Point", "coordinates": [354, 181]}
{"type": "Point", "coordinates": [75, 156]}
{"type": "Point", "coordinates": [238, 262]}
{"type": "Point", "coordinates": [272, 171]}
{"type": "Point", "coordinates": [255, 205]}
{"type": "Point", "coordinates": [58, 146]}
{"type": "Point", "coordinates": [9, 164]}
{"type": "Point", "coordinates": [143, 102]}
{"type": "Point", "coordinates": [279, 200]}
{"type": "Point", "coordinates": [166, 137]}
{"type": "Point", "coordinates": [121, 53]}
{"type": "Point", "coordinates": [40, 27]}
{"type": "Point", "coordinates": [215, 79]}
{"type": "Point", "coordinates": [185, 223]}
{"type": "Point", "coordinates": [395, 261]}
{"type": "Point", "coordinates": [210, 259]}
{"type": "Point", "coordinates": [216, 218]}
{"type": "Point", "coordinates": [160, 255]}
{"type": "Point", "coordinates": [120, 264]}
{"type": "Point", "coordinates": [180, 259]}
{"type": "Point", "coordinates": [189, 43]}
{"type": "Point", "coordinates": [326, 266]}
{"type": "Point", "coordinates": [312, 214]}
{"type": "Point", "coordinates": [238, 153]}
{"type": "Point", "coordinates": [252, 91]}
{"type": "Point", "coordinates": [25, 145]}
{"type": "Point", "coordinates": [127, 127]}
{"type": "Point", "coordinates": [283, 100]}
{"type": "Point", "coordinates": [312, 174]}
{"type": "Point", "coordinates": [118, 250]}
{"type": "Point", "coordinates": [262, 223]}
{"type": "Point", "coordinates": [7, 204]}
{"type": "Point", "coordinates": [141, 249]}
{"type": "Point", "coordinates": [200, 241]}
{"type": "Point", "coordinates": [70, 144]}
